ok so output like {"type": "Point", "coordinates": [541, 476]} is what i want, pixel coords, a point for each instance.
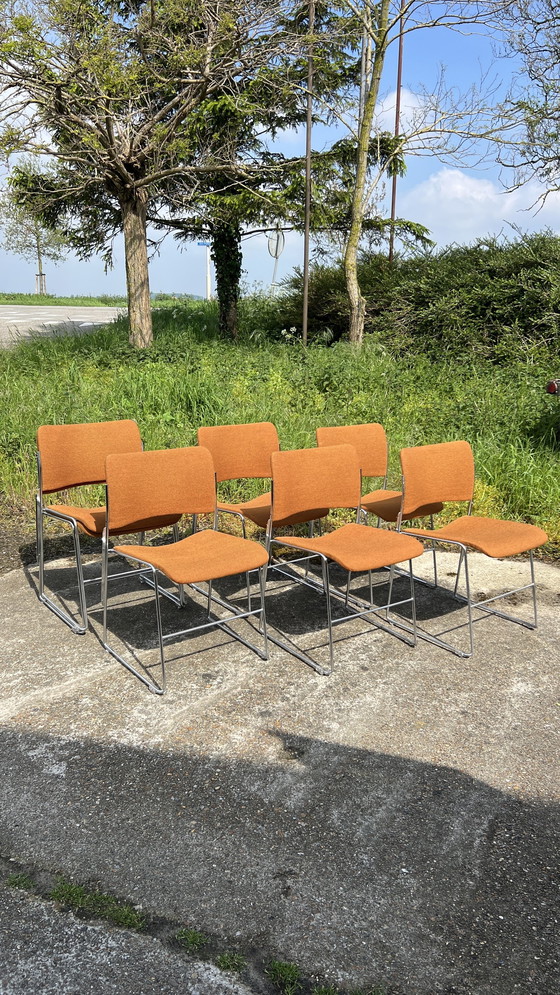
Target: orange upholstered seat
{"type": "Point", "coordinates": [306, 478]}
{"type": "Point", "coordinates": [91, 521]}
{"type": "Point", "coordinates": [166, 483]}
{"type": "Point", "coordinates": [71, 456]}
{"type": "Point", "coordinates": [445, 472]}
{"type": "Point", "coordinates": [202, 556]}
{"type": "Point", "coordinates": [359, 548]}
{"type": "Point", "coordinates": [370, 443]}
{"type": "Point", "coordinates": [492, 536]}
{"type": "Point", "coordinates": [244, 452]}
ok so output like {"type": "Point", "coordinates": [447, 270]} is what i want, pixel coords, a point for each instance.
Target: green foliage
{"type": "Point", "coordinates": [96, 903]}
{"type": "Point", "coordinates": [190, 377]}
{"type": "Point", "coordinates": [284, 976]}
{"type": "Point", "coordinates": [24, 234]}
{"type": "Point", "coordinates": [191, 939]}
{"type": "Point", "coordinates": [492, 299]}
{"type": "Point", "coordinates": [230, 962]}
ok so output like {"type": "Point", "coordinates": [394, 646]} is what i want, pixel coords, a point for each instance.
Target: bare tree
{"type": "Point", "coordinates": [530, 115]}
{"type": "Point", "coordinates": [443, 122]}
{"type": "Point", "coordinates": [25, 235]}
{"type": "Point", "coordinates": [116, 91]}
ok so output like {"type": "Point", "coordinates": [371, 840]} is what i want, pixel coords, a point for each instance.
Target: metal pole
{"type": "Point", "coordinates": [307, 223]}
{"type": "Point", "coordinates": [274, 272]}
{"type": "Point", "coordinates": [397, 129]}
{"type": "Point", "coordinates": [208, 275]}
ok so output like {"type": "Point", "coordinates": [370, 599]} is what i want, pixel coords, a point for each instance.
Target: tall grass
{"type": "Point", "coordinates": [189, 378]}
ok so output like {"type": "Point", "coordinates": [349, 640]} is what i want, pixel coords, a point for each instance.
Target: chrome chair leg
{"type": "Point", "coordinates": [459, 565]}
{"type": "Point", "coordinates": [311, 532]}
{"type": "Point", "coordinates": [248, 582]}
{"type": "Point", "coordinates": [391, 579]}
{"type": "Point", "coordinates": [104, 576]}
{"type": "Point", "coordinates": [327, 589]}
{"type": "Point", "coordinates": [348, 579]}
{"type": "Point", "coordinates": [434, 557]}
{"type": "Point", "coordinates": [262, 619]}
{"type": "Point", "coordinates": [180, 587]}
{"type": "Point", "coordinates": [413, 603]}
{"type": "Point", "coordinates": [78, 629]}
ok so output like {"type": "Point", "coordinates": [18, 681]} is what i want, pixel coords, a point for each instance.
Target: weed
{"type": "Point", "coordinates": [97, 904]}
{"type": "Point", "coordinates": [230, 962]}
{"type": "Point", "coordinates": [284, 976]}
{"type": "Point", "coordinates": [325, 990]}
{"type": "Point", "coordinates": [22, 881]}
{"type": "Point", "coordinates": [191, 940]}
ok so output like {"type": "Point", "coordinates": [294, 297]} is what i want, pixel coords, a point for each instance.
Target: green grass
{"type": "Point", "coordinates": [104, 300]}
{"type": "Point", "coordinates": [190, 377]}
{"type": "Point", "coordinates": [285, 976]}
{"type": "Point", "coordinates": [230, 962]}
{"type": "Point", "coordinates": [21, 880]}
{"type": "Point", "coordinates": [191, 940]}
{"type": "Point", "coordinates": [96, 903]}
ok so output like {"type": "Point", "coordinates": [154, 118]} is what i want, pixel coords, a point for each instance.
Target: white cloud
{"type": "Point", "coordinates": [459, 207]}
{"type": "Point", "coordinates": [411, 104]}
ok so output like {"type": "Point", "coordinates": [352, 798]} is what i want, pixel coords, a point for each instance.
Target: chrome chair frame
{"type": "Point", "coordinates": [148, 574]}
{"type": "Point", "coordinates": [359, 607]}
{"type": "Point", "coordinates": [42, 511]}
{"type": "Point", "coordinates": [466, 599]}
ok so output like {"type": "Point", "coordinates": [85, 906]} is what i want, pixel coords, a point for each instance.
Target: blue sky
{"type": "Point", "coordinates": [458, 203]}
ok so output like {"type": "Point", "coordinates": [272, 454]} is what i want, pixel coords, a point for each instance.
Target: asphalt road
{"type": "Point", "coordinates": [20, 320]}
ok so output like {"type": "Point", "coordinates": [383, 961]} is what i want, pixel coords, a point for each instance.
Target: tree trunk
{"type": "Point", "coordinates": [227, 258]}
{"type": "Point", "coordinates": [355, 297]}
{"type": "Point", "coordinates": [134, 205]}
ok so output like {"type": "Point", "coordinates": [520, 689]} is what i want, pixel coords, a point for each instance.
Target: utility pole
{"type": "Point", "coordinates": [308, 129]}
{"type": "Point", "coordinates": [397, 130]}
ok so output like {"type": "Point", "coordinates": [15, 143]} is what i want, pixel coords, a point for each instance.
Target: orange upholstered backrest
{"type": "Point", "coordinates": [240, 450]}
{"type": "Point", "coordinates": [76, 454]}
{"type": "Point", "coordinates": [369, 441]}
{"type": "Point", "coordinates": [162, 482]}
{"type": "Point", "coordinates": [442, 472]}
{"type": "Point", "coordinates": [305, 479]}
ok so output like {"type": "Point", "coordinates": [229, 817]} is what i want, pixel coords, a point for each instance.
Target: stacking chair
{"type": "Point", "coordinates": [445, 472]}
{"type": "Point", "coordinates": [244, 451]}
{"type": "Point", "coordinates": [370, 443]}
{"type": "Point", "coordinates": [306, 479]}
{"type": "Point", "coordinates": [70, 456]}
{"type": "Point", "coordinates": [169, 483]}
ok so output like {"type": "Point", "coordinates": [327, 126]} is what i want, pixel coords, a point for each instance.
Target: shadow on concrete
{"type": "Point", "coordinates": [364, 868]}
{"type": "Point", "coordinates": [295, 613]}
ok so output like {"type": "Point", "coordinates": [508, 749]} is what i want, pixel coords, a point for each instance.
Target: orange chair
{"type": "Point", "coordinates": [71, 456]}
{"type": "Point", "coordinates": [370, 443]}
{"type": "Point", "coordinates": [445, 472]}
{"type": "Point", "coordinates": [244, 451]}
{"type": "Point", "coordinates": [170, 483]}
{"type": "Point", "coordinates": [306, 479]}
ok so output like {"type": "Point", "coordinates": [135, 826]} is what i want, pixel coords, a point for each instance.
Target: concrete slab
{"type": "Point", "coordinates": [54, 953]}
{"type": "Point", "coordinates": [392, 824]}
